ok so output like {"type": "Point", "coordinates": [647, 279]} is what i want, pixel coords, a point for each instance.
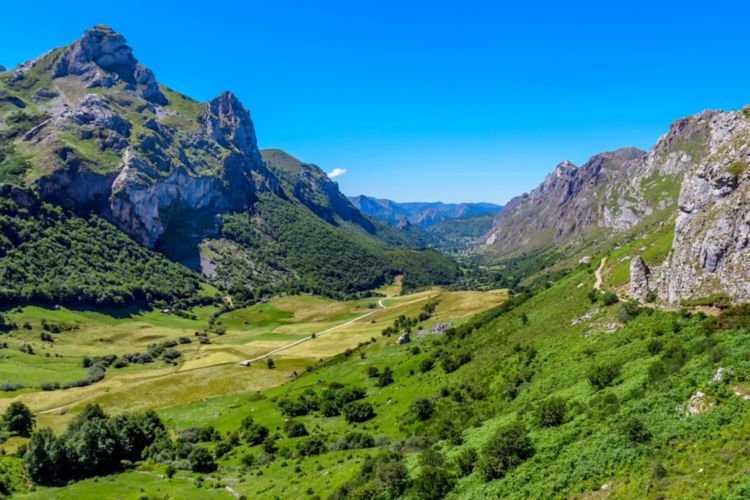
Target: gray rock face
{"type": "Point", "coordinates": [102, 58]}
{"type": "Point", "coordinates": [711, 249]}
{"type": "Point", "coordinates": [229, 124]}
{"type": "Point", "coordinates": [569, 202]}
{"type": "Point", "coordinates": [640, 275]}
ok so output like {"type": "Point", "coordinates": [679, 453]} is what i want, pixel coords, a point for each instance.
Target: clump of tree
{"type": "Point", "coordinates": [94, 444]}
{"type": "Point", "coordinates": [382, 476]}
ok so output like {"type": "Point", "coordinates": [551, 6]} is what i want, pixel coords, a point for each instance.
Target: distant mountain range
{"type": "Point", "coordinates": [422, 214]}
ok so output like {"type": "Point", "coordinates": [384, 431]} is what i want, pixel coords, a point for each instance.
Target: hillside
{"type": "Point", "coordinates": [88, 128]}
{"type": "Point", "coordinates": [422, 214]}
{"type": "Point", "coordinates": [694, 180]}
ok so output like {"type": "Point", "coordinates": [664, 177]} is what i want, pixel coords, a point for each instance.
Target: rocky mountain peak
{"type": "Point", "coordinates": [102, 58]}
{"type": "Point", "coordinates": [229, 123]}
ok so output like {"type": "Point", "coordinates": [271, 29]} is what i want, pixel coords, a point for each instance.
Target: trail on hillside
{"type": "Point", "coordinates": [247, 362]}
{"type": "Point", "coordinates": [598, 274]}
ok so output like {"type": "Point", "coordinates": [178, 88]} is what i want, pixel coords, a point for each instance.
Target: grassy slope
{"type": "Point", "coordinates": [701, 455]}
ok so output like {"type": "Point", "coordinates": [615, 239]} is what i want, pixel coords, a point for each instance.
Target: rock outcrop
{"type": "Point", "coordinates": [640, 276]}
{"type": "Point", "coordinates": [696, 176]}
{"type": "Point", "coordinates": [569, 202]}
{"type": "Point", "coordinates": [102, 58]}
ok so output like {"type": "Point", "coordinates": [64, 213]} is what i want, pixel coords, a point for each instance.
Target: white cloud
{"type": "Point", "coordinates": [336, 172]}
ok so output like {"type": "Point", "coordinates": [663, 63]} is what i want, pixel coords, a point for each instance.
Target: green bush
{"type": "Point", "coordinates": [551, 412]}
{"type": "Point", "coordinates": [466, 460]}
{"type": "Point", "coordinates": [609, 298]}
{"type": "Point", "coordinates": [422, 409]}
{"type": "Point", "coordinates": [311, 446]}
{"type": "Point", "coordinates": [358, 411]}
{"type": "Point", "coordinates": [601, 376]}
{"type": "Point", "coordinates": [433, 483]}
{"type": "Point", "coordinates": [509, 447]}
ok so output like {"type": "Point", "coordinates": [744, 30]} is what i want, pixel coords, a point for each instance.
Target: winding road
{"type": "Point", "coordinates": [248, 362]}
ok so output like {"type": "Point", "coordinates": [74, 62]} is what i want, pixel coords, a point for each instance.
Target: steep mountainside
{"type": "Point", "coordinates": [88, 128]}
{"type": "Point", "coordinates": [695, 177]}
{"type": "Point", "coordinates": [423, 214]}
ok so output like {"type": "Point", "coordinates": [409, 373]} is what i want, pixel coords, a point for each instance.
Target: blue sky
{"type": "Point", "coordinates": [451, 101]}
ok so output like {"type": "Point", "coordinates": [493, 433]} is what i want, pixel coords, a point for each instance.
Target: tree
{"type": "Point", "coordinates": [312, 446]}
{"type": "Point", "coordinates": [271, 365]}
{"type": "Point", "coordinates": [373, 372]}
{"type": "Point", "coordinates": [609, 298]}
{"type": "Point", "coordinates": [602, 376]}
{"type": "Point", "coordinates": [509, 447]}
{"type": "Point", "coordinates": [524, 319]}
{"type": "Point", "coordinates": [386, 377]}
{"type": "Point", "coordinates": [433, 483]}
{"type": "Point", "coordinates": [46, 458]}
{"type": "Point", "coordinates": [201, 460]}
{"type": "Point", "coordinates": [636, 430]}
{"type": "Point", "coordinates": [422, 409]}
{"type": "Point", "coordinates": [466, 460]}
{"type": "Point", "coordinates": [358, 411]}
{"type": "Point", "coordinates": [392, 477]}
{"type": "Point", "coordinates": [295, 429]}
{"type": "Point", "coordinates": [426, 365]}
{"type": "Point", "coordinates": [18, 418]}
{"type": "Point", "coordinates": [551, 413]}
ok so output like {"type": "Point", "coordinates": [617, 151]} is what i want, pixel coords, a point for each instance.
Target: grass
{"type": "Point", "coordinates": [203, 371]}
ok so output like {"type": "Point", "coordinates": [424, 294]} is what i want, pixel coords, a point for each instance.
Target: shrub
{"type": "Point", "coordinates": [466, 460]}
{"type": "Point", "coordinates": [201, 460]}
{"type": "Point", "coordinates": [254, 434]}
{"type": "Point", "coordinates": [422, 409]}
{"type": "Point", "coordinates": [354, 441]}
{"type": "Point", "coordinates": [391, 477]}
{"type": "Point", "coordinates": [386, 377]}
{"type": "Point", "coordinates": [426, 365]}
{"type": "Point", "coordinates": [311, 446]}
{"type": "Point", "coordinates": [636, 430]}
{"type": "Point", "coordinates": [433, 483]}
{"type": "Point", "coordinates": [609, 298]}
{"type": "Point", "coordinates": [295, 429]}
{"type": "Point", "coordinates": [373, 372]}
{"type": "Point", "coordinates": [222, 449]}
{"type": "Point", "coordinates": [602, 376]}
{"type": "Point", "coordinates": [551, 413]}
{"type": "Point", "coordinates": [593, 295]}
{"type": "Point", "coordinates": [358, 411]}
{"type": "Point", "coordinates": [655, 346]}
{"type": "Point", "coordinates": [509, 447]}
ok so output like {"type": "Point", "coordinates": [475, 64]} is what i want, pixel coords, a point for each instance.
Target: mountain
{"type": "Point", "coordinates": [686, 199]}
{"type": "Point", "coordinates": [87, 128]}
{"type": "Point", "coordinates": [423, 214]}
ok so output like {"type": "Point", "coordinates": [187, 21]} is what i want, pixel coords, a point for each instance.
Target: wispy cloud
{"type": "Point", "coordinates": [336, 172]}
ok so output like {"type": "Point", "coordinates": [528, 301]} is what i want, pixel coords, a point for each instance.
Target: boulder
{"type": "Point", "coordinates": [640, 275]}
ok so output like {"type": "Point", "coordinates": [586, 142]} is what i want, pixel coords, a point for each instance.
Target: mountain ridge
{"type": "Point", "coordinates": [423, 214]}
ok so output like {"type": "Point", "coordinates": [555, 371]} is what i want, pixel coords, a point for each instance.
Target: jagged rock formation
{"type": "Point", "coordinates": [696, 175]}
{"type": "Point", "coordinates": [711, 249]}
{"type": "Point", "coordinates": [102, 58]}
{"type": "Point", "coordinates": [569, 202]}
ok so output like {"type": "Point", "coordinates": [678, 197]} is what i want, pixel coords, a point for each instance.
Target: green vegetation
{"type": "Point", "coordinates": [312, 255]}
{"type": "Point", "coordinates": [51, 257]}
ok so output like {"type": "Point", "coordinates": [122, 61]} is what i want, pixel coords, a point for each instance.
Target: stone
{"type": "Point", "coordinates": [640, 274]}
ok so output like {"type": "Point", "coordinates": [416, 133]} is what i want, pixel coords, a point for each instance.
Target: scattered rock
{"type": "Point", "coordinates": [403, 339]}
{"type": "Point", "coordinates": [586, 259]}
{"type": "Point", "coordinates": [697, 404]}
